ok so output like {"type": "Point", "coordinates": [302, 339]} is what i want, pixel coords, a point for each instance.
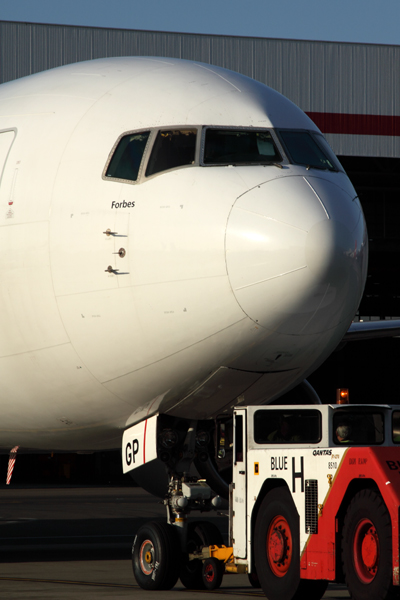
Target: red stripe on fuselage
{"type": "Point", "coordinates": [144, 442]}
{"type": "Point", "coordinates": [387, 125]}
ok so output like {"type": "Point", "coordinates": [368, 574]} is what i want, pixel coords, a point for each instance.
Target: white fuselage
{"type": "Point", "coordinates": [234, 283]}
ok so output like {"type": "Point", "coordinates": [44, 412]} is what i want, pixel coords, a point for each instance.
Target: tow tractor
{"type": "Point", "coordinates": [314, 499]}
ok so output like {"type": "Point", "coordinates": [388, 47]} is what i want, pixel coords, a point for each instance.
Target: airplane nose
{"type": "Point", "coordinates": [296, 254]}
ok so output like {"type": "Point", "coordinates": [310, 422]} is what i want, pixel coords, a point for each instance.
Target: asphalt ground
{"type": "Point", "coordinates": [72, 543]}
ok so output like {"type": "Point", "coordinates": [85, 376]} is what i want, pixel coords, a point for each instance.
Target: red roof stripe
{"type": "Point", "coordinates": [356, 124]}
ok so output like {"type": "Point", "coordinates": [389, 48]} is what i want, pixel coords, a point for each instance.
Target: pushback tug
{"type": "Point", "coordinates": [315, 499]}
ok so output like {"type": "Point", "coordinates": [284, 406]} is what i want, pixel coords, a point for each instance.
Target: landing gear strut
{"type": "Point", "coordinates": [162, 552]}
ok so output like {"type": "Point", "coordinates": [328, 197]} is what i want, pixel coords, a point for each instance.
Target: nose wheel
{"type": "Point", "coordinates": [146, 557]}
{"type": "Point", "coordinates": [156, 556]}
{"type": "Point", "coordinates": [200, 533]}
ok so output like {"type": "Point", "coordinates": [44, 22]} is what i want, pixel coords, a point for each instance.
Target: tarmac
{"type": "Point", "coordinates": [75, 542]}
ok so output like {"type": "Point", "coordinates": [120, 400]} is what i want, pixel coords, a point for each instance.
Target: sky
{"type": "Point", "coordinates": [366, 21]}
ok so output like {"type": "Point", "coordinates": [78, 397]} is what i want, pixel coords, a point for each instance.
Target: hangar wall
{"type": "Point", "coordinates": [352, 91]}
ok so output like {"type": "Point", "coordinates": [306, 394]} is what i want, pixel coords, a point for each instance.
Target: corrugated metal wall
{"type": "Point", "coordinates": [321, 77]}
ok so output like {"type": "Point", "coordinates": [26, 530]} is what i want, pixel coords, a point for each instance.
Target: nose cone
{"type": "Point", "coordinates": [296, 254]}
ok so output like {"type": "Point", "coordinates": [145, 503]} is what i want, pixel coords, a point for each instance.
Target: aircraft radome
{"type": "Point", "coordinates": [175, 238]}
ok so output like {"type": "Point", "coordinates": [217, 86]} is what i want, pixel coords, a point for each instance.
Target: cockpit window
{"type": "Point", "coordinates": [127, 157]}
{"type": "Point", "coordinates": [238, 147]}
{"type": "Point", "coordinates": [321, 141]}
{"type": "Point", "coordinates": [172, 148]}
{"type": "Point", "coordinates": [303, 149]}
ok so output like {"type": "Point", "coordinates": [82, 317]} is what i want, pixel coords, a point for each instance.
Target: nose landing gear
{"type": "Point", "coordinates": [164, 552]}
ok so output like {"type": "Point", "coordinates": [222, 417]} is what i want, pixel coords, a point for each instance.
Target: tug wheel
{"type": "Point", "coordinates": [277, 551]}
{"type": "Point", "coordinates": [213, 572]}
{"type": "Point", "coordinates": [277, 546]}
{"type": "Point", "coordinates": [155, 556]}
{"type": "Point", "coordinates": [367, 548]}
{"type": "Point", "coordinates": [253, 579]}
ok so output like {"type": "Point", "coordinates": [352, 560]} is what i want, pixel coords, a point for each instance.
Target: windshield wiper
{"type": "Point", "coordinates": [319, 167]}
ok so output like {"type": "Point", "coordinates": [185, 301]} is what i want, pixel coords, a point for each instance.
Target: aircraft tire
{"type": "Point", "coordinates": [367, 548]}
{"type": "Point", "coordinates": [155, 556]}
{"type": "Point", "coordinates": [276, 546]}
{"type": "Point", "coordinates": [200, 533]}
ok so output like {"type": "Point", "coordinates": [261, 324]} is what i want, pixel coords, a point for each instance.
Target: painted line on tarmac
{"type": "Point", "coordinates": [251, 593]}
{"type": "Point", "coordinates": [66, 582]}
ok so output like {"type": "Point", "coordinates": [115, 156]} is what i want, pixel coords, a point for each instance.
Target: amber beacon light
{"type": "Point", "coordinates": [342, 396]}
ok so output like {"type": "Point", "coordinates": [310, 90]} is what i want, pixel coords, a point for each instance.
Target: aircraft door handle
{"type": "Point", "coordinates": [108, 232]}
